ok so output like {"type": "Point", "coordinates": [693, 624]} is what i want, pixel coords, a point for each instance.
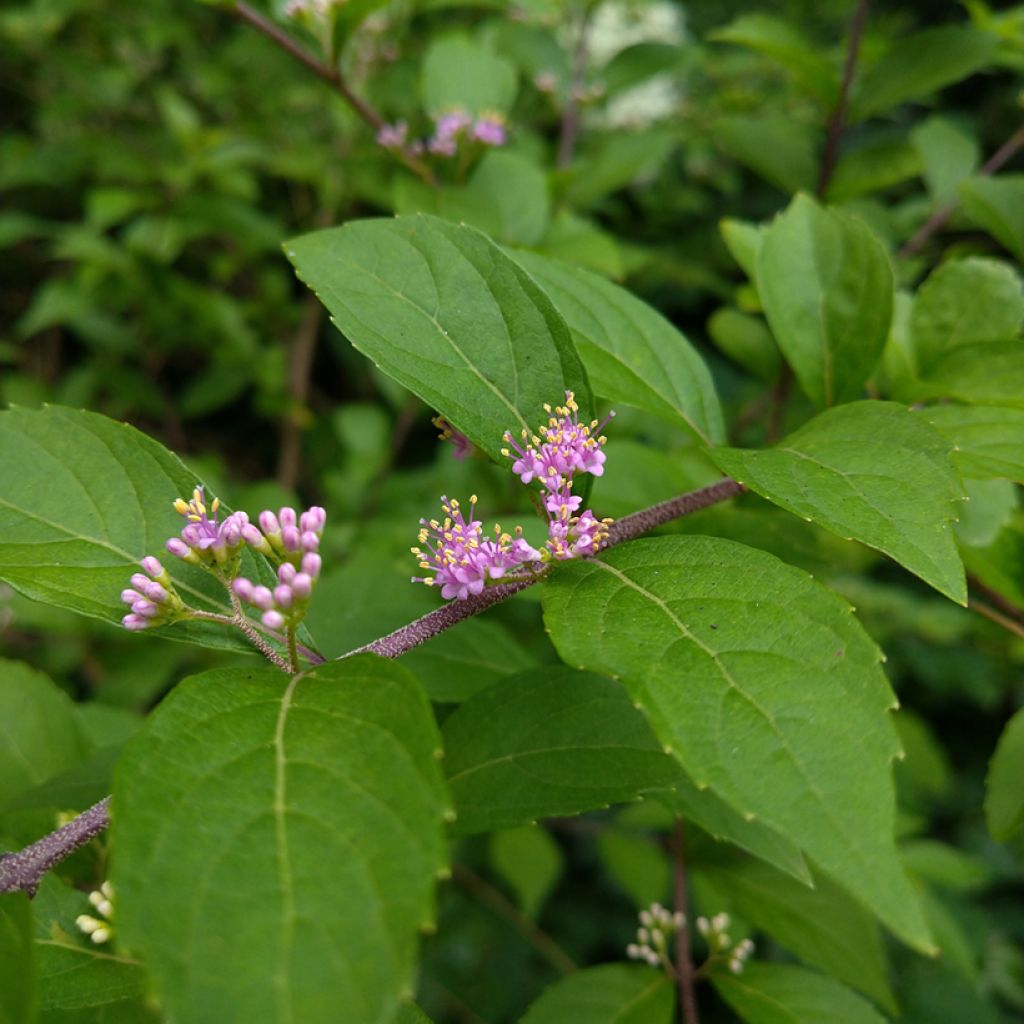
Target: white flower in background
{"type": "Point", "coordinates": [616, 26]}
{"type": "Point", "coordinates": [650, 101]}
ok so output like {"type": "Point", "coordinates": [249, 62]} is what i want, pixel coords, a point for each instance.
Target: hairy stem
{"type": "Point", "coordinates": [837, 122]}
{"type": "Point", "coordinates": [255, 638]}
{"type": "Point", "coordinates": [684, 963]}
{"type": "Point", "coordinates": [333, 77]}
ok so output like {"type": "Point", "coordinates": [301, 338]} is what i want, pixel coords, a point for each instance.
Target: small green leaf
{"type": "Point", "coordinates": [632, 354]}
{"type": "Point", "coordinates": [920, 64]}
{"type": "Point", "coordinates": [459, 74]}
{"type": "Point", "coordinates": [964, 302]}
{"type": "Point", "coordinates": [782, 994]}
{"type": "Point", "coordinates": [277, 842]}
{"type": "Point", "coordinates": [997, 205]}
{"type": "Point", "coordinates": [948, 154]}
{"type": "Point", "coordinates": [530, 861]}
{"type": "Point", "coordinates": [982, 374]}
{"type": "Point", "coordinates": [989, 506]}
{"type": "Point", "coordinates": [747, 341]}
{"type": "Point", "coordinates": [872, 472]}
{"type": "Point", "coordinates": [743, 240]}
{"type": "Point", "coordinates": [775, 147]}
{"type": "Point", "coordinates": [821, 925]}
{"type": "Point", "coordinates": [988, 440]}
{"type": "Point", "coordinates": [39, 737]}
{"type": "Point", "coordinates": [84, 499]}
{"type": "Point", "coordinates": [1004, 796]}
{"type": "Point", "coordinates": [639, 866]}
{"type": "Point", "coordinates": [610, 994]}
{"type": "Point", "coordinates": [17, 978]}
{"type": "Point", "coordinates": [827, 289]}
{"type": "Point", "coordinates": [447, 314]}
{"type": "Point", "coordinates": [548, 742]}
{"type": "Point", "coordinates": [764, 687]}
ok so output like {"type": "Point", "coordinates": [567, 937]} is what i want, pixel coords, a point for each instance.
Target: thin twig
{"type": "Point", "coordinates": [300, 364]}
{"type": "Point", "coordinates": [1010, 625]}
{"type": "Point", "coordinates": [995, 598]}
{"type": "Point", "coordinates": [684, 963]}
{"type": "Point", "coordinates": [938, 219]}
{"type": "Point", "coordinates": [24, 870]}
{"type": "Point", "coordinates": [254, 637]}
{"type": "Point", "coordinates": [837, 123]}
{"type": "Point", "coordinates": [496, 901]}
{"type": "Point", "coordinates": [571, 114]}
{"type": "Point", "coordinates": [333, 77]}
{"type": "Point", "coordinates": [68, 839]}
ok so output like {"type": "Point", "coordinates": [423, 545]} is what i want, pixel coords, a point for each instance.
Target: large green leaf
{"type": "Point", "coordinates": [277, 842]}
{"type": "Point", "coordinates": [762, 684]}
{"type": "Point", "coordinates": [821, 925]}
{"type": "Point", "coordinates": [39, 737]}
{"type": "Point", "coordinates": [782, 994]}
{"type": "Point", "coordinates": [548, 742]}
{"type": "Point", "coordinates": [1004, 799]}
{"type": "Point", "coordinates": [445, 312]}
{"type": "Point", "coordinates": [631, 352]}
{"type": "Point", "coordinates": [827, 289]}
{"type": "Point", "coordinates": [84, 498]}
{"type": "Point", "coordinates": [868, 471]}
{"type": "Point", "coordinates": [982, 374]}
{"type": "Point", "coordinates": [988, 440]}
{"type": "Point", "coordinates": [610, 994]}
{"type": "Point", "coordinates": [460, 74]}
{"type": "Point", "coordinates": [17, 981]}
{"type": "Point", "coordinates": [920, 64]}
{"type": "Point", "coordinates": [964, 302]}
{"type": "Point", "coordinates": [997, 205]}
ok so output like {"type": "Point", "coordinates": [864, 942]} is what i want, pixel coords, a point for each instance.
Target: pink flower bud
{"type": "Point", "coordinates": [243, 588]}
{"type": "Point", "coordinates": [290, 538]}
{"type": "Point", "coordinates": [140, 582]}
{"type": "Point", "coordinates": [286, 572]}
{"type": "Point", "coordinates": [156, 593]}
{"type": "Point", "coordinates": [268, 523]}
{"type": "Point", "coordinates": [272, 620]}
{"type": "Point", "coordinates": [313, 520]}
{"type": "Point", "coordinates": [130, 596]}
{"type": "Point", "coordinates": [283, 595]}
{"type": "Point", "coordinates": [231, 534]}
{"type": "Point", "coordinates": [134, 622]}
{"type": "Point", "coordinates": [310, 541]}
{"type": "Point", "coordinates": [152, 566]}
{"type": "Point", "coordinates": [255, 539]}
{"type": "Point", "coordinates": [146, 609]}
{"type": "Point", "coordinates": [178, 547]}
{"type": "Point", "coordinates": [311, 565]}
{"type": "Point", "coordinates": [287, 517]}
{"type": "Point", "coordinates": [262, 598]}
{"type": "Point", "coordinates": [192, 535]}
{"type": "Point", "coordinates": [302, 586]}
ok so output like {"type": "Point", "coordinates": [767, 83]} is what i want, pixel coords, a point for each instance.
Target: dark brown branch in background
{"type": "Point", "coordinates": [332, 76]}
{"type": "Point", "coordinates": [300, 364]}
{"type": "Point", "coordinates": [996, 162]}
{"type": "Point", "coordinates": [24, 870]}
{"type": "Point", "coordinates": [683, 957]}
{"type": "Point", "coordinates": [571, 114]}
{"type": "Point", "coordinates": [837, 124]}
{"type": "Point", "coordinates": [1011, 625]}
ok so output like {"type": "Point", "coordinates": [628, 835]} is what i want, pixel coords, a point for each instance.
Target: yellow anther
{"type": "Point", "coordinates": [181, 506]}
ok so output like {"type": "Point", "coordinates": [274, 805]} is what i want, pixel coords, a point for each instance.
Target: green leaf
{"type": "Point", "coordinates": [827, 289]}
{"type": "Point", "coordinates": [73, 972]}
{"type": "Point", "coordinates": [610, 994]}
{"type": "Point", "coordinates": [783, 994]}
{"type": "Point", "coordinates": [964, 302]}
{"type": "Point", "coordinates": [639, 866]}
{"type": "Point", "coordinates": [785, 44]}
{"type": "Point", "coordinates": [278, 840]}
{"type": "Point", "coordinates": [409, 1013]}
{"type": "Point", "coordinates": [1004, 794]}
{"type": "Point", "coordinates": [459, 74]}
{"type": "Point", "coordinates": [997, 205]}
{"type": "Point", "coordinates": [743, 240]}
{"type": "Point", "coordinates": [517, 190]}
{"type": "Point", "coordinates": [83, 499]}
{"type": "Point", "coordinates": [17, 979]}
{"type": "Point", "coordinates": [548, 742]}
{"type": "Point", "coordinates": [988, 441]}
{"type": "Point", "coordinates": [920, 64]}
{"type": "Point", "coordinates": [948, 154]}
{"type": "Point", "coordinates": [765, 688]}
{"type": "Point", "coordinates": [775, 147]}
{"type": "Point", "coordinates": [989, 506]}
{"type": "Point", "coordinates": [820, 925]}
{"type": "Point", "coordinates": [871, 166]}
{"type": "Point", "coordinates": [872, 472]}
{"type": "Point", "coordinates": [747, 341]}
{"type": "Point", "coordinates": [530, 861]}
{"type": "Point", "coordinates": [982, 374]}
{"type": "Point", "coordinates": [632, 354]}
{"type": "Point", "coordinates": [614, 160]}
{"type": "Point", "coordinates": [442, 310]}
{"type": "Point", "coordinates": [39, 737]}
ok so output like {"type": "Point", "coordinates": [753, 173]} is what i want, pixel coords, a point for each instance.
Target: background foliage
{"type": "Point", "coordinates": [157, 157]}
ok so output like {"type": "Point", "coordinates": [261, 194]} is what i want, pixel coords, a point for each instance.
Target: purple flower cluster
{"type": "Point", "coordinates": [293, 540]}
{"type": "Point", "coordinates": [449, 129]}
{"type": "Point", "coordinates": [463, 562]}
{"type": "Point", "coordinates": [204, 541]}
{"type": "Point", "coordinates": [152, 597]}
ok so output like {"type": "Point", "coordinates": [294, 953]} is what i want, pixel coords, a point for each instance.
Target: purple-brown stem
{"type": "Point", "coordinates": [684, 963]}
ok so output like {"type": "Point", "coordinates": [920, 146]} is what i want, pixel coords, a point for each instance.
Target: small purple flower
{"type": "Point", "coordinates": [489, 129]}
{"type": "Point", "coordinates": [464, 448]}
{"type": "Point", "coordinates": [205, 541]}
{"type": "Point", "coordinates": [393, 136]}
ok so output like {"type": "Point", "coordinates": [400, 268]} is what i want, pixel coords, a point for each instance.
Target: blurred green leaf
{"type": "Point", "coordinates": [775, 147]}
{"type": "Point", "coordinates": [988, 441]}
{"type": "Point", "coordinates": [610, 994]}
{"type": "Point", "coordinates": [460, 74]}
{"type": "Point", "coordinates": [638, 865]}
{"type": "Point", "coordinates": [17, 977]}
{"type": "Point", "coordinates": [530, 861]}
{"type": "Point", "coordinates": [1004, 796]}
{"type": "Point", "coordinates": [747, 341]}
{"type": "Point", "coordinates": [997, 205]}
{"type": "Point", "coordinates": [948, 155]}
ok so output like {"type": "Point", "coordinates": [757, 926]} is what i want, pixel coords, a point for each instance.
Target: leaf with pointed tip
{"type": "Point", "coordinates": [610, 994]}
{"type": "Point", "coordinates": [1004, 797]}
{"type": "Point", "coordinates": [632, 354]}
{"type": "Point", "coordinates": [872, 472]}
{"type": "Point", "coordinates": [769, 993]}
{"type": "Point", "coordinates": [988, 440]}
{"type": "Point", "coordinates": [765, 688]}
{"type": "Point", "coordinates": [442, 310]}
{"type": "Point", "coordinates": [827, 289]}
{"type": "Point", "coordinates": [278, 842]}
{"type": "Point", "coordinates": [82, 499]}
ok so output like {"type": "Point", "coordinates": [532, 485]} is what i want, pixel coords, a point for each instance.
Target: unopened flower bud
{"type": "Point", "coordinates": [272, 619]}
{"type": "Point", "coordinates": [268, 523]}
{"type": "Point", "coordinates": [302, 586]}
{"type": "Point", "coordinates": [313, 519]}
{"type": "Point", "coordinates": [283, 595]}
{"type": "Point", "coordinates": [262, 598]}
{"type": "Point", "coordinates": [311, 564]}
{"type": "Point", "coordinates": [290, 538]}
{"type": "Point", "coordinates": [152, 566]}
{"type": "Point", "coordinates": [287, 517]}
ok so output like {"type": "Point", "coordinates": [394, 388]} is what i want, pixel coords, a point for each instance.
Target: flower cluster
{"type": "Point", "coordinates": [204, 541]}
{"type": "Point", "coordinates": [464, 562]}
{"type": "Point", "coordinates": [450, 129]}
{"type": "Point", "coordinates": [720, 944]}
{"type": "Point", "coordinates": [99, 929]}
{"type": "Point", "coordinates": [152, 597]}
{"type": "Point", "coordinates": [293, 541]}
{"type": "Point", "coordinates": [657, 925]}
